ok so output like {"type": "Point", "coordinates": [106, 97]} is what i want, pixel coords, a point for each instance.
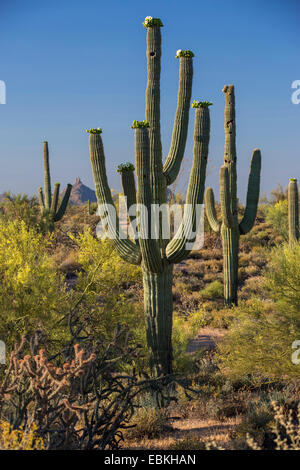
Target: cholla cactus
{"type": "Point", "coordinates": [48, 202]}
{"type": "Point", "coordinates": [230, 229]}
{"type": "Point", "coordinates": [80, 401]}
{"type": "Point", "coordinates": [157, 256]}
{"type": "Point", "coordinates": [293, 202]}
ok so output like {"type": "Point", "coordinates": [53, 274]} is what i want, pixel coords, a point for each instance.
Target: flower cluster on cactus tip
{"type": "Point", "coordinates": [201, 104]}
{"type": "Point", "coordinates": [140, 125]}
{"type": "Point", "coordinates": [149, 21]}
{"type": "Point", "coordinates": [125, 167]}
{"type": "Point", "coordinates": [293, 179]}
{"type": "Point", "coordinates": [184, 53]}
{"type": "Point", "coordinates": [94, 131]}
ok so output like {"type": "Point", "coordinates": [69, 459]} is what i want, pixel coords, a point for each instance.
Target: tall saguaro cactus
{"type": "Point", "coordinates": [293, 203]}
{"type": "Point", "coordinates": [48, 202]}
{"type": "Point", "coordinates": [157, 255]}
{"type": "Point", "coordinates": [229, 228]}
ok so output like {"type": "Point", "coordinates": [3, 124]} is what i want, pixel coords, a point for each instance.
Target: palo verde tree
{"type": "Point", "coordinates": [229, 228]}
{"type": "Point", "coordinates": [157, 255]}
{"type": "Point", "coordinates": [48, 202]}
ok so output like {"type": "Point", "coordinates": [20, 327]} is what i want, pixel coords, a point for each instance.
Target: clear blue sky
{"type": "Point", "coordinates": [71, 65]}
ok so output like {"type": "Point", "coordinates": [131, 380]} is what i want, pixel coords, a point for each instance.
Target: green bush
{"type": "Point", "coordinates": [32, 293]}
{"type": "Point", "coordinates": [259, 341]}
{"type": "Point", "coordinates": [277, 216]}
{"type": "Point", "coordinates": [214, 290]}
{"type": "Point", "coordinates": [21, 207]}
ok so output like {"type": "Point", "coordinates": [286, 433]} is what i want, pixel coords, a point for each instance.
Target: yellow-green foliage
{"type": "Point", "coordinates": [184, 331]}
{"type": "Point", "coordinates": [259, 341]}
{"type": "Point", "coordinates": [106, 281]}
{"type": "Point", "coordinates": [277, 216]}
{"type": "Point", "coordinates": [96, 253]}
{"type": "Point", "coordinates": [32, 293]}
{"type": "Point", "coordinates": [214, 290]}
{"type": "Point", "coordinates": [20, 207]}
{"type": "Point", "coordinates": [17, 439]}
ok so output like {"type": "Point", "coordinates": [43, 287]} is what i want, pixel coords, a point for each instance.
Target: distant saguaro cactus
{"type": "Point", "coordinates": [230, 229]}
{"type": "Point", "coordinates": [48, 203]}
{"type": "Point", "coordinates": [157, 255]}
{"type": "Point", "coordinates": [293, 202]}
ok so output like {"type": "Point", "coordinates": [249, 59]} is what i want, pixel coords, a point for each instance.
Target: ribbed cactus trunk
{"type": "Point", "coordinates": [153, 251]}
{"type": "Point", "coordinates": [293, 203]}
{"type": "Point", "coordinates": [230, 244]}
{"type": "Point", "coordinates": [158, 307]}
{"type": "Point", "coordinates": [230, 229]}
{"type": "Point", "coordinates": [48, 203]}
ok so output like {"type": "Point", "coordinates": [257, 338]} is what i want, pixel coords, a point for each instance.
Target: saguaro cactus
{"type": "Point", "coordinates": [156, 256]}
{"type": "Point", "coordinates": [48, 203]}
{"type": "Point", "coordinates": [293, 202]}
{"type": "Point", "coordinates": [229, 228]}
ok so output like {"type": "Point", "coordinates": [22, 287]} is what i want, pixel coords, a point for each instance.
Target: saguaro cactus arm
{"type": "Point", "coordinates": [210, 210]}
{"type": "Point", "coordinates": [172, 164]}
{"type": "Point", "coordinates": [41, 199]}
{"type": "Point", "coordinates": [176, 249]}
{"type": "Point", "coordinates": [152, 113]}
{"type": "Point", "coordinates": [126, 171]}
{"type": "Point", "coordinates": [63, 205]}
{"type": "Point", "coordinates": [230, 144]}
{"type": "Point", "coordinates": [225, 199]}
{"type": "Point", "coordinates": [47, 179]}
{"type": "Point", "coordinates": [252, 193]}
{"type": "Point", "coordinates": [126, 249]}
{"type": "Point", "coordinates": [149, 247]}
{"type": "Point", "coordinates": [55, 196]}
{"type": "Point", "coordinates": [293, 202]}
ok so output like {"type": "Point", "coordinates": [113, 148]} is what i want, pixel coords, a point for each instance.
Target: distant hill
{"type": "Point", "coordinates": [81, 193]}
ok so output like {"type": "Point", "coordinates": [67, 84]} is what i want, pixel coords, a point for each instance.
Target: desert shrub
{"type": "Point", "coordinates": [189, 442]}
{"type": "Point", "coordinates": [256, 423]}
{"type": "Point", "coordinates": [148, 422]}
{"type": "Point", "coordinates": [253, 287]}
{"type": "Point", "coordinates": [78, 400]}
{"type": "Point", "coordinates": [199, 319]}
{"type": "Point", "coordinates": [283, 277]}
{"type": "Point", "coordinates": [104, 280]}
{"type": "Point", "coordinates": [182, 334]}
{"type": "Point", "coordinates": [32, 292]}
{"type": "Point", "coordinates": [21, 207]}
{"type": "Point", "coordinates": [277, 217]}
{"type": "Point", "coordinates": [212, 291]}
{"type": "Point", "coordinates": [19, 439]}
{"type": "Point", "coordinates": [260, 340]}
{"type": "Point", "coordinates": [286, 429]}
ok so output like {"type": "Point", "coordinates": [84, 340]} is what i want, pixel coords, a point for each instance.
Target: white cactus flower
{"type": "Point", "coordinates": [178, 52]}
{"type": "Point", "coordinates": [148, 19]}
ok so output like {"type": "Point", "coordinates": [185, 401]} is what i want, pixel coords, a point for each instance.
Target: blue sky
{"type": "Point", "coordinates": [72, 65]}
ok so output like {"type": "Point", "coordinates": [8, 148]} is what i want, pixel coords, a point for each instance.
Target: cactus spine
{"type": "Point", "coordinates": [156, 256]}
{"type": "Point", "coordinates": [229, 228]}
{"type": "Point", "coordinates": [48, 203]}
{"type": "Point", "coordinates": [293, 202]}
